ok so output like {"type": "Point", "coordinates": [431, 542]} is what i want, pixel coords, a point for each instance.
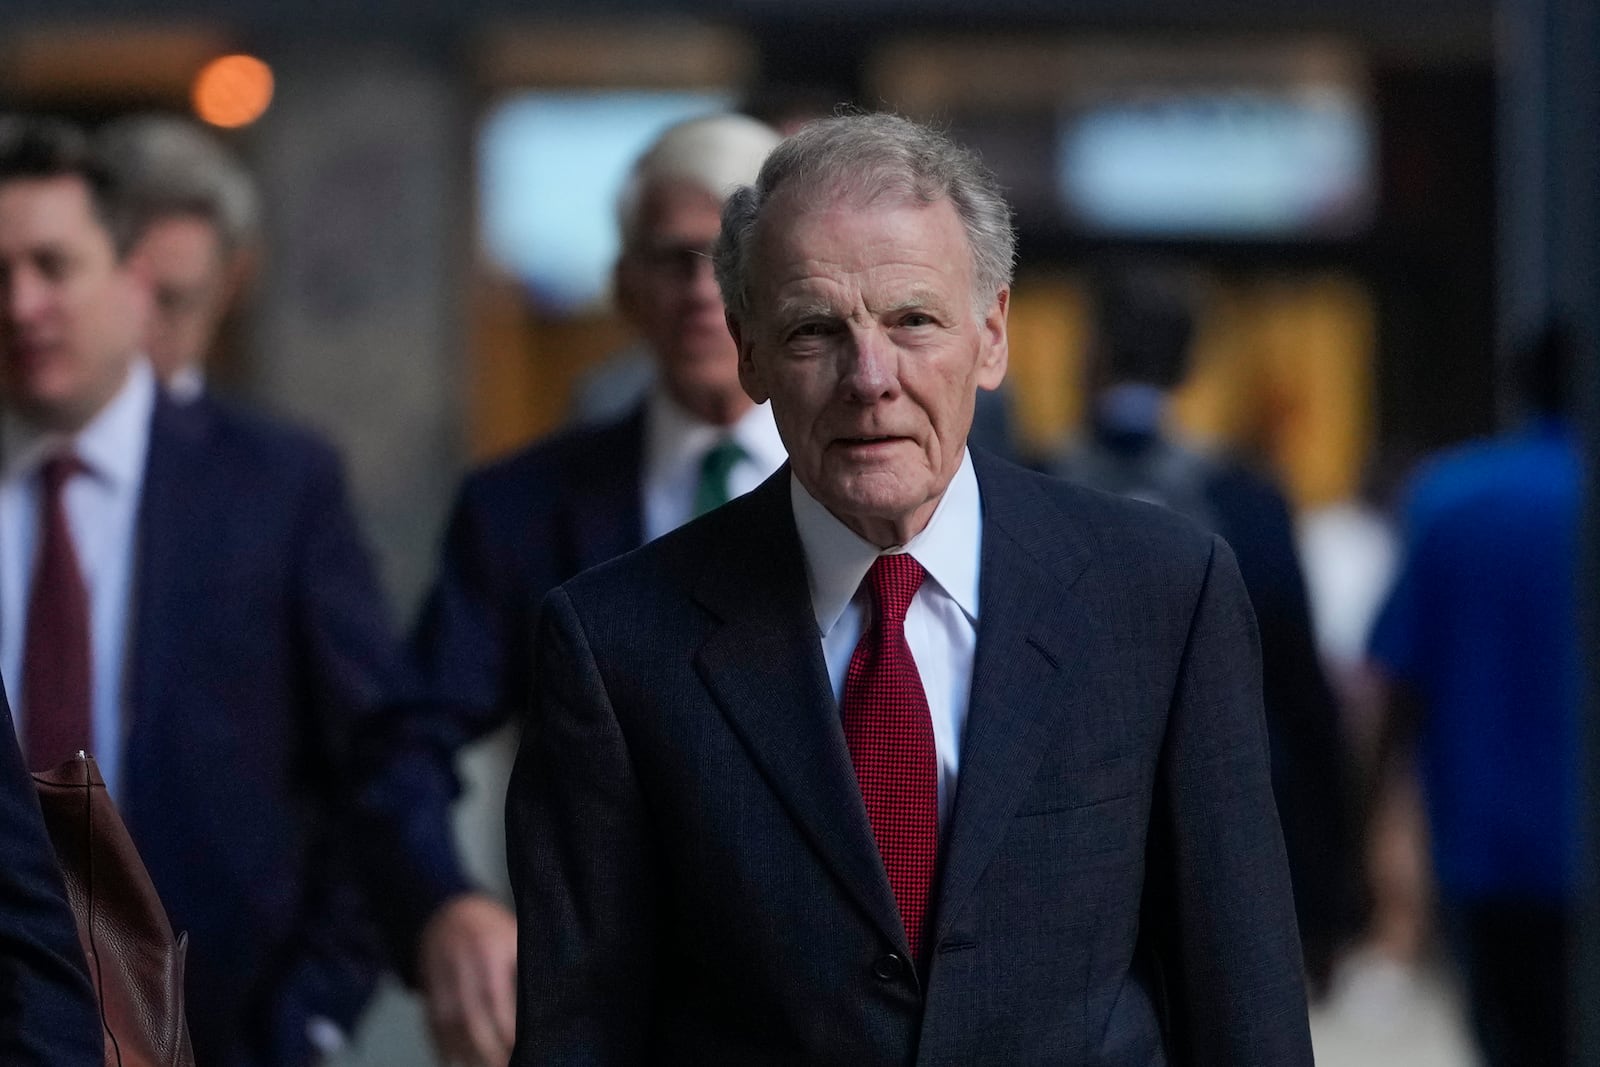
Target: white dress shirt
{"type": "Point", "coordinates": [942, 622]}
{"type": "Point", "coordinates": [675, 446]}
{"type": "Point", "coordinates": [187, 384]}
{"type": "Point", "coordinates": [102, 506]}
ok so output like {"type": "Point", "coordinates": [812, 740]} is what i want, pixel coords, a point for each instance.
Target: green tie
{"type": "Point", "coordinates": [714, 469]}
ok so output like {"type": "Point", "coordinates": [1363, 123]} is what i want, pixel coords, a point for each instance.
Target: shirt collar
{"type": "Point", "coordinates": [111, 445]}
{"type": "Point", "coordinates": [187, 383]}
{"type": "Point", "coordinates": [837, 559]}
{"type": "Point", "coordinates": [675, 440]}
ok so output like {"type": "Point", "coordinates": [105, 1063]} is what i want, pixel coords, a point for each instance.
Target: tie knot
{"type": "Point", "coordinates": [721, 459]}
{"type": "Point", "coordinates": [894, 580]}
{"type": "Point", "coordinates": [718, 463]}
{"type": "Point", "coordinates": [58, 470]}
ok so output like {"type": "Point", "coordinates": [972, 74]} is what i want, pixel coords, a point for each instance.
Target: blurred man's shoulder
{"type": "Point", "coordinates": [249, 436]}
{"type": "Point", "coordinates": [1476, 479]}
{"type": "Point", "coordinates": [569, 457]}
{"type": "Point", "coordinates": [1053, 508]}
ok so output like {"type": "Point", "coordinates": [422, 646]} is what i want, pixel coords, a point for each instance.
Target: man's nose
{"type": "Point", "coordinates": [23, 297]}
{"type": "Point", "coordinates": [872, 366]}
{"type": "Point", "coordinates": [702, 279]}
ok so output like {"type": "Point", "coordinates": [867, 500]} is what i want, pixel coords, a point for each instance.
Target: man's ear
{"type": "Point", "coordinates": [239, 274]}
{"type": "Point", "coordinates": [994, 351]}
{"type": "Point", "coordinates": [750, 377]}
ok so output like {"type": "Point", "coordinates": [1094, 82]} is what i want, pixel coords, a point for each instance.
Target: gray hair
{"type": "Point", "coordinates": [169, 166]}
{"type": "Point", "coordinates": [717, 153]}
{"type": "Point", "coordinates": [862, 158]}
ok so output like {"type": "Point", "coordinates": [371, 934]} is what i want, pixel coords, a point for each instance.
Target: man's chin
{"type": "Point", "coordinates": [882, 507]}
{"type": "Point", "coordinates": [718, 400]}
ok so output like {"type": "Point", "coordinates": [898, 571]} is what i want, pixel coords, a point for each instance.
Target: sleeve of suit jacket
{"type": "Point", "coordinates": [1218, 894]}
{"type": "Point", "coordinates": [582, 867]}
{"type": "Point", "coordinates": [459, 689]}
{"type": "Point", "coordinates": [1312, 778]}
{"type": "Point", "coordinates": [349, 668]}
{"type": "Point", "coordinates": [48, 1016]}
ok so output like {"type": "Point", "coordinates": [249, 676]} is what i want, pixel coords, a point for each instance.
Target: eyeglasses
{"type": "Point", "coordinates": [676, 261]}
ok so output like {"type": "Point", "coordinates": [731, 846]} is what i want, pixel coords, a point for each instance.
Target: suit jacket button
{"type": "Point", "coordinates": [889, 966]}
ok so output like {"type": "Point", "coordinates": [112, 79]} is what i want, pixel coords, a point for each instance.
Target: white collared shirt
{"type": "Point", "coordinates": [187, 384]}
{"type": "Point", "coordinates": [942, 622]}
{"type": "Point", "coordinates": [102, 508]}
{"type": "Point", "coordinates": [675, 446]}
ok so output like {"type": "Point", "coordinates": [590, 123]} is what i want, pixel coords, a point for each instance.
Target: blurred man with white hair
{"type": "Point", "coordinates": [199, 241]}
{"type": "Point", "coordinates": [525, 524]}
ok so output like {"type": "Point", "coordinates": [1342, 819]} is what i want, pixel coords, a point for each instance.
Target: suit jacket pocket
{"type": "Point", "coordinates": [1066, 788]}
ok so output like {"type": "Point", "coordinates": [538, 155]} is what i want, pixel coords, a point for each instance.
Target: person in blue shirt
{"type": "Point", "coordinates": [1478, 649]}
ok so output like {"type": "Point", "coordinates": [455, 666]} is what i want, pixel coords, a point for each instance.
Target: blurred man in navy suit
{"type": "Point", "coordinates": [522, 525]}
{"type": "Point", "coordinates": [183, 593]}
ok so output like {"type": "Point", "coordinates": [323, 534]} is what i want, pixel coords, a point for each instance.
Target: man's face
{"type": "Point", "coordinates": [71, 312]}
{"type": "Point", "coordinates": [667, 291]}
{"type": "Point", "coordinates": [182, 257]}
{"type": "Point", "coordinates": [864, 334]}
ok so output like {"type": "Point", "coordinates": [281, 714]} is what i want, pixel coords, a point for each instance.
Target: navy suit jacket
{"type": "Point", "coordinates": [697, 881]}
{"type": "Point", "coordinates": [48, 1014]}
{"type": "Point", "coordinates": [260, 638]}
{"type": "Point", "coordinates": [519, 528]}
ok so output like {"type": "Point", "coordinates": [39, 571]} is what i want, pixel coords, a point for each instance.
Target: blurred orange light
{"type": "Point", "coordinates": [232, 91]}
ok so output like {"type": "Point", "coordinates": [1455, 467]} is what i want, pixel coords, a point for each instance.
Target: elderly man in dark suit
{"type": "Point", "coordinates": [183, 593]}
{"type": "Point", "coordinates": [48, 1014]}
{"type": "Point", "coordinates": [909, 755]}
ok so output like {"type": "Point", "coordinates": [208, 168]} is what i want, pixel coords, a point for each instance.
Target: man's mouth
{"type": "Point", "coordinates": [26, 349]}
{"type": "Point", "coordinates": [868, 440]}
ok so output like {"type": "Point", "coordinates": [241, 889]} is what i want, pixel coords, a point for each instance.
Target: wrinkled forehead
{"type": "Point", "coordinates": [674, 208]}
{"type": "Point", "coordinates": [864, 190]}
{"type": "Point", "coordinates": [185, 244]}
{"type": "Point", "coordinates": [789, 211]}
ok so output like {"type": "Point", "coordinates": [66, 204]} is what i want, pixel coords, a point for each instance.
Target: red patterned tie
{"type": "Point", "coordinates": [890, 734]}
{"type": "Point", "coordinates": [55, 658]}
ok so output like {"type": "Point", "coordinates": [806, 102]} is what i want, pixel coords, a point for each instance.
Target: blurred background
{"type": "Point", "coordinates": [1371, 198]}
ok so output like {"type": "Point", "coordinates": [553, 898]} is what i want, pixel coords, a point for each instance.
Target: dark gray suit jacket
{"type": "Point", "coordinates": [697, 881]}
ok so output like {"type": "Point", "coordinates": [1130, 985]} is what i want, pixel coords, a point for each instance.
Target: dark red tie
{"type": "Point", "coordinates": [890, 734]}
{"type": "Point", "coordinates": [55, 659]}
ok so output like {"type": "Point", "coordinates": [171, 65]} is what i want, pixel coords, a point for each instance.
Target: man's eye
{"type": "Point", "coordinates": [53, 267]}
{"type": "Point", "coordinates": [809, 329]}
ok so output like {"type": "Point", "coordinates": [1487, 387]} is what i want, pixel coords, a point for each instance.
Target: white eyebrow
{"type": "Point", "coordinates": [919, 298]}
{"type": "Point", "coordinates": [795, 309]}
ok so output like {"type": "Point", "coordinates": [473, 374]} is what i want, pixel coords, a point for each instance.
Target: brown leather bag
{"type": "Point", "coordinates": [135, 963]}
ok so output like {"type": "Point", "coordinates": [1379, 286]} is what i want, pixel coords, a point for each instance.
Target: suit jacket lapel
{"type": "Point", "coordinates": [1030, 635]}
{"type": "Point", "coordinates": [763, 664]}
{"type": "Point", "coordinates": [172, 531]}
